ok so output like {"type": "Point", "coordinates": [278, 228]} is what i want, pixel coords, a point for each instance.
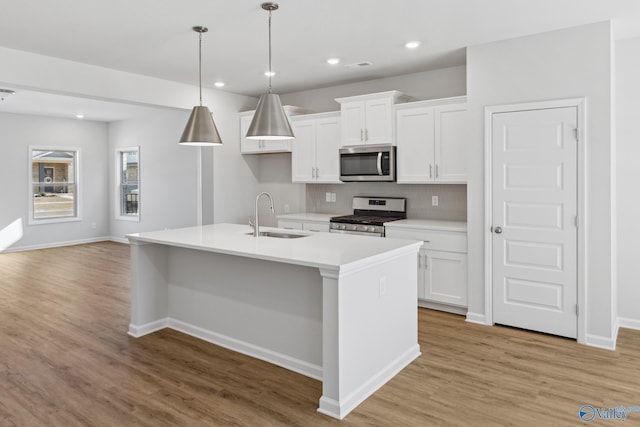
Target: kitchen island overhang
{"type": "Point", "coordinates": [338, 308]}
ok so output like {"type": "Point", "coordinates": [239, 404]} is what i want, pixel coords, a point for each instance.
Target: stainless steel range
{"type": "Point", "coordinates": [369, 216]}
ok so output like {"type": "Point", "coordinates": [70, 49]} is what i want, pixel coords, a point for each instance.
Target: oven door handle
{"type": "Point", "coordinates": [379, 164]}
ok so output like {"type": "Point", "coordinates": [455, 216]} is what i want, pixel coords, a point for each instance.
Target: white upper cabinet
{"type": "Point", "coordinates": [369, 119]}
{"type": "Point", "coordinates": [256, 146]}
{"type": "Point", "coordinates": [315, 157]}
{"type": "Point", "coordinates": [431, 141]}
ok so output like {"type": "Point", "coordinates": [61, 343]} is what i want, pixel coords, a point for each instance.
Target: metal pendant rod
{"type": "Point", "coordinates": [270, 70]}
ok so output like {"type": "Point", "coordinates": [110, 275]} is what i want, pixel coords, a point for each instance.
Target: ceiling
{"type": "Point", "coordinates": [154, 37]}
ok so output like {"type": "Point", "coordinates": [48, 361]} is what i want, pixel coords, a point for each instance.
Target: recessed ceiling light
{"type": "Point", "coordinates": [412, 45]}
{"type": "Point", "coordinates": [269, 73]}
{"type": "Point", "coordinates": [79, 116]}
{"type": "Point", "coordinates": [333, 61]}
{"type": "Point", "coordinates": [219, 84]}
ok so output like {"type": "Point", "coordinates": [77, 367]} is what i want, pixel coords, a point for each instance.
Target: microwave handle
{"type": "Point", "coordinates": [379, 163]}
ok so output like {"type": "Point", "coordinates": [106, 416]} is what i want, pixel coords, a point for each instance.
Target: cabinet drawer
{"type": "Point", "coordinates": [290, 225]}
{"type": "Point", "coordinates": [316, 226]}
{"type": "Point", "coordinates": [450, 241]}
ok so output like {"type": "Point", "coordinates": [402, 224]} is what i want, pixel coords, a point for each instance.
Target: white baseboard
{"type": "Point", "coordinates": [339, 410]}
{"type": "Point", "coordinates": [605, 343]}
{"type": "Point", "coordinates": [478, 318]}
{"type": "Point", "coordinates": [442, 307]}
{"type": "Point", "coordinates": [119, 239]}
{"type": "Point", "coordinates": [58, 244]}
{"type": "Point", "coordinates": [625, 322]}
{"type": "Point", "coordinates": [148, 328]}
{"type": "Point", "coordinates": [279, 359]}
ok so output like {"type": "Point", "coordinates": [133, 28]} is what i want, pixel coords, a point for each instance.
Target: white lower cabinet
{"type": "Point", "coordinates": [308, 225]}
{"type": "Point", "coordinates": [442, 267]}
{"type": "Point", "coordinates": [444, 277]}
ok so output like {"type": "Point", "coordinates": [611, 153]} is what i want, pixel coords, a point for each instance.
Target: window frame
{"type": "Point", "coordinates": [32, 220]}
{"type": "Point", "coordinates": [118, 185]}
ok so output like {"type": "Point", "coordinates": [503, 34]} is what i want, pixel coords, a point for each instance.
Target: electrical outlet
{"type": "Point", "coordinates": [434, 200]}
{"type": "Point", "coordinates": [327, 196]}
{"type": "Point", "coordinates": [333, 197]}
{"type": "Point", "coordinates": [383, 286]}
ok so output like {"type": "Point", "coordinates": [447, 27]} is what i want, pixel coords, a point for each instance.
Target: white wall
{"type": "Point", "coordinates": [442, 83]}
{"type": "Point", "coordinates": [229, 179]}
{"type": "Point", "coordinates": [20, 131]}
{"type": "Point", "coordinates": [628, 155]}
{"type": "Point", "coordinates": [168, 172]}
{"type": "Point", "coordinates": [568, 63]}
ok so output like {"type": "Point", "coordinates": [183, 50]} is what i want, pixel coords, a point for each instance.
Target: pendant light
{"type": "Point", "coordinates": [200, 129]}
{"type": "Point", "coordinates": [270, 121]}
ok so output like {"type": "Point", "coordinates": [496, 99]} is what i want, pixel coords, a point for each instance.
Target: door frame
{"type": "Point", "coordinates": [489, 111]}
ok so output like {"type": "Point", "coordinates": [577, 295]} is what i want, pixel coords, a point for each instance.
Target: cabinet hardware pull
{"type": "Point", "coordinates": [366, 135]}
{"type": "Point", "coordinates": [361, 134]}
{"type": "Point", "coordinates": [436, 171]}
{"type": "Point", "coordinates": [430, 171]}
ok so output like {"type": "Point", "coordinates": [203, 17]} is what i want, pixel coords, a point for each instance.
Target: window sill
{"type": "Point", "coordinates": [53, 220]}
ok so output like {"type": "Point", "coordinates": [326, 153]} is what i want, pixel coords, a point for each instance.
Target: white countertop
{"type": "Point", "coordinates": [322, 217]}
{"type": "Point", "coordinates": [321, 250]}
{"type": "Point", "coordinates": [429, 224]}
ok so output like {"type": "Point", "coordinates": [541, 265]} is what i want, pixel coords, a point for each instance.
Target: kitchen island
{"type": "Point", "coordinates": [337, 308]}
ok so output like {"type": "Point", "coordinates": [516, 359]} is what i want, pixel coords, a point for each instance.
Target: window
{"type": "Point", "coordinates": [128, 183]}
{"type": "Point", "coordinates": [53, 185]}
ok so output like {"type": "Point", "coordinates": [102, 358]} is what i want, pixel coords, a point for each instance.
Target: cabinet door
{"type": "Point", "coordinates": [379, 121]}
{"type": "Point", "coordinates": [446, 277]}
{"type": "Point", "coordinates": [316, 226]}
{"type": "Point", "coordinates": [415, 142]}
{"type": "Point", "coordinates": [353, 123]}
{"type": "Point", "coordinates": [303, 156]}
{"type": "Point", "coordinates": [327, 146]}
{"type": "Point", "coordinates": [451, 143]}
{"type": "Point", "coordinates": [290, 224]}
{"type": "Point", "coordinates": [422, 273]}
{"type": "Point", "coordinates": [247, 146]}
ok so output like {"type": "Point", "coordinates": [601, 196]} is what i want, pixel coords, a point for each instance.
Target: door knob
{"type": "Point", "coordinates": [498, 230]}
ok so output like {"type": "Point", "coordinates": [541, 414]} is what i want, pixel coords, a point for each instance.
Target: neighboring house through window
{"type": "Point", "coordinates": [53, 185]}
{"type": "Point", "coordinates": [128, 183]}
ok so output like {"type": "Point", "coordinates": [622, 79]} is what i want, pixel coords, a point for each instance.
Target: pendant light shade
{"type": "Point", "coordinates": [200, 129]}
{"type": "Point", "coordinates": [270, 120]}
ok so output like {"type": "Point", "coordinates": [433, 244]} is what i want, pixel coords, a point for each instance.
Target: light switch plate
{"type": "Point", "coordinates": [327, 196]}
{"type": "Point", "coordinates": [434, 200]}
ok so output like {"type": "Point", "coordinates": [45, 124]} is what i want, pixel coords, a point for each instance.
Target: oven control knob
{"type": "Point", "coordinates": [342, 227]}
{"type": "Point", "coordinates": [372, 229]}
{"type": "Point", "coordinates": [354, 227]}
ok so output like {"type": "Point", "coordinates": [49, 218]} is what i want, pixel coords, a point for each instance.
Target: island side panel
{"type": "Point", "coordinates": [149, 290]}
{"type": "Point", "coordinates": [370, 330]}
{"type": "Point", "coordinates": [269, 310]}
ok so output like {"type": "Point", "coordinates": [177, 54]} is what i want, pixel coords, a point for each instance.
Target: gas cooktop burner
{"type": "Point", "coordinates": [363, 219]}
{"type": "Point", "coordinates": [369, 216]}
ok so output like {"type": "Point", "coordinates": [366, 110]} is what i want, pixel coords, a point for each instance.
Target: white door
{"type": "Point", "coordinates": [352, 122]}
{"type": "Point", "coordinates": [327, 147]}
{"type": "Point", "coordinates": [534, 208]}
{"type": "Point", "coordinates": [415, 145]}
{"type": "Point", "coordinates": [303, 155]}
{"type": "Point", "coordinates": [379, 121]}
{"type": "Point", "coordinates": [451, 143]}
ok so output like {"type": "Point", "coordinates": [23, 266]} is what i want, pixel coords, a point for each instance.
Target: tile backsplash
{"type": "Point", "coordinates": [452, 198]}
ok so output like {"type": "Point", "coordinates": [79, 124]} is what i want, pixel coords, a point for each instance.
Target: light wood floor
{"type": "Point", "coordinates": [66, 360]}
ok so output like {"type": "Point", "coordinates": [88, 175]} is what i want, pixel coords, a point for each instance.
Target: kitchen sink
{"type": "Point", "coordinates": [279, 235]}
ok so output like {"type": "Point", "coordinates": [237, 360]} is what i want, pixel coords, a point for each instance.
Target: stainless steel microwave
{"type": "Point", "coordinates": [368, 163]}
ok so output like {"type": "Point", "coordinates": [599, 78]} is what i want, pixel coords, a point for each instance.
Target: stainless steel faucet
{"type": "Point", "coordinates": [256, 226]}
